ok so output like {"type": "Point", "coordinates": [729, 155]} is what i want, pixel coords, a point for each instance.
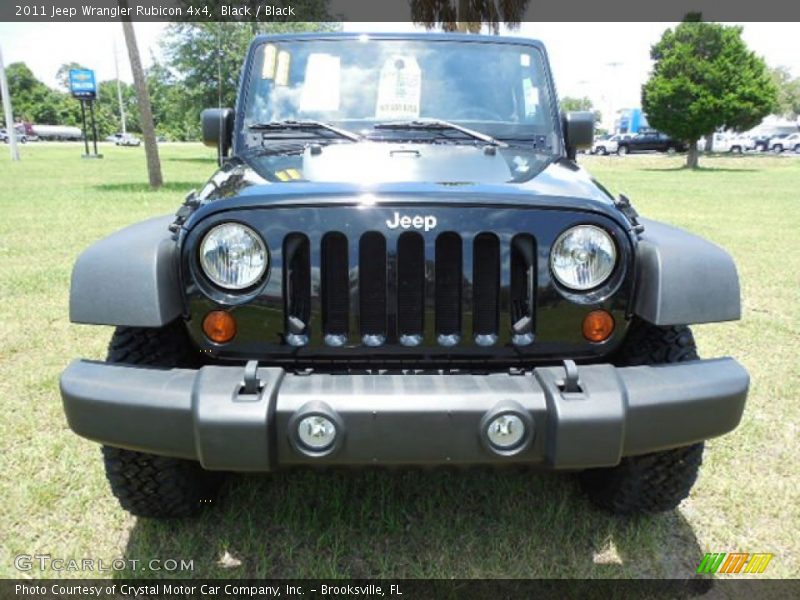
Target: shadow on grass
{"type": "Point", "coordinates": [169, 186]}
{"type": "Point", "coordinates": [192, 159]}
{"type": "Point", "coordinates": [700, 169]}
{"type": "Point", "coordinates": [504, 523]}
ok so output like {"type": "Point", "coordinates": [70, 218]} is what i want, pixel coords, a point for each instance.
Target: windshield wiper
{"type": "Point", "coordinates": [440, 125]}
{"type": "Point", "coordinates": [304, 126]}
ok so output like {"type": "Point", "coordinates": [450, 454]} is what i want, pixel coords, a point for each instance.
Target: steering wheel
{"type": "Point", "coordinates": [478, 113]}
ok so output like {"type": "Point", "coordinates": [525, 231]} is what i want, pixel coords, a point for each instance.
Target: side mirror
{"type": "Point", "coordinates": [218, 129]}
{"type": "Point", "coordinates": [578, 131]}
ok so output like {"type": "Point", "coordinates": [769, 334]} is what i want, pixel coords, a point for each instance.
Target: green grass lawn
{"type": "Point", "coordinates": [478, 523]}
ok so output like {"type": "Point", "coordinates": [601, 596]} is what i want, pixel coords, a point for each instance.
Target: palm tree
{"type": "Point", "coordinates": [143, 98]}
{"type": "Point", "coordinates": [468, 15]}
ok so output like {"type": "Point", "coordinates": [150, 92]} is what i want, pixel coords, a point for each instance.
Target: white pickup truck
{"type": "Point", "coordinates": [729, 142]}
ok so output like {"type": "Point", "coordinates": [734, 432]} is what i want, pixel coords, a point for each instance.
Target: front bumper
{"type": "Point", "coordinates": [403, 419]}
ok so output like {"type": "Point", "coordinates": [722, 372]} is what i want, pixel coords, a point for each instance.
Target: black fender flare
{"type": "Point", "coordinates": [129, 278]}
{"type": "Point", "coordinates": [682, 279]}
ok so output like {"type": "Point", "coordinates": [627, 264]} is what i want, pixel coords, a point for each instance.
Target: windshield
{"type": "Point", "coordinates": [497, 89]}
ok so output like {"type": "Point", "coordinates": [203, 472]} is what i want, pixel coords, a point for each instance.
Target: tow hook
{"type": "Point", "coordinates": [251, 385]}
{"type": "Point", "coordinates": [571, 383]}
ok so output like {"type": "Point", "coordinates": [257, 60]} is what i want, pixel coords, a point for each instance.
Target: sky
{"type": "Point", "coordinates": [608, 62]}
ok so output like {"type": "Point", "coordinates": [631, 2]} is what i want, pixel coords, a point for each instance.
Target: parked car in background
{"type": "Point", "coordinates": [4, 137]}
{"type": "Point", "coordinates": [650, 141]}
{"type": "Point", "coordinates": [127, 139]}
{"type": "Point", "coordinates": [610, 144]}
{"type": "Point", "coordinates": [734, 143]}
{"type": "Point", "coordinates": [114, 137]}
{"type": "Point", "coordinates": [761, 142]}
{"type": "Point", "coordinates": [785, 142]}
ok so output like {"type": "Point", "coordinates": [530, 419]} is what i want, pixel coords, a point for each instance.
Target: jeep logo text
{"type": "Point", "coordinates": [426, 222]}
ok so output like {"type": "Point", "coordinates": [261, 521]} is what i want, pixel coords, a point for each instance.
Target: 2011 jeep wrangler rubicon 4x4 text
{"type": "Point", "coordinates": [399, 262]}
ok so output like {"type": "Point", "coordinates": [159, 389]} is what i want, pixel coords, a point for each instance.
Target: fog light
{"type": "Point", "coordinates": [506, 431]}
{"type": "Point", "coordinates": [316, 432]}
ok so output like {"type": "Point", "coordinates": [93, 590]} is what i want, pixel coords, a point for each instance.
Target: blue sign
{"type": "Point", "coordinates": [82, 83]}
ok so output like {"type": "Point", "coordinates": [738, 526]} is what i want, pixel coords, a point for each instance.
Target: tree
{"type": "Point", "coordinates": [204, 61]}
{"type": "Point", "coordinates": [145, 112]}
{"type": "Point", "coordinates": [788, 92]}
{"type": "Point", "coordinates": [705, 78]}
{"type": "Point", "coordinates": [568, 104]}
{"type": "Point", "coordinates": [468, 15]}
{"type": "Point", "coordinates": [62, 75]}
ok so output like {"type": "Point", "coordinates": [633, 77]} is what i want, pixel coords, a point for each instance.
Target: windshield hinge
{"type": "Point", "coordinates": [190, 204]}
{"type": "Point", "coordinates": [623, 203]}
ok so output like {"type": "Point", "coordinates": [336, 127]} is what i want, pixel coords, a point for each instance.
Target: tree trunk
{"type": "Point", "coordinates": [145, 111]}
{"type": "Point", "coordinates": [692, 157]}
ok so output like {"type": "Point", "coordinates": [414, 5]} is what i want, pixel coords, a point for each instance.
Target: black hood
{"type": "Point", "coordinates": [408, 173]}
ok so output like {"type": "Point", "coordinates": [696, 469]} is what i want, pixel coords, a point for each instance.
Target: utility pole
{"type": "Point", "coordinates": [119, 89]}
{"type": "Point", "coordinates": [143, 97]}
{"type": "Point", "coordinates": [612, 105]}
{"type": "Point", "coordinates": [12, 132]}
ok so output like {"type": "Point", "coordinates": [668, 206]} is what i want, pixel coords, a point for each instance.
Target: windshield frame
{"type": "Point", "coordinates": [245, 87]}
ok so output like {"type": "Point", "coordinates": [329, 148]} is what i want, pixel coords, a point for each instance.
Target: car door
{"type": "Point", "coordinates": [646, 142]}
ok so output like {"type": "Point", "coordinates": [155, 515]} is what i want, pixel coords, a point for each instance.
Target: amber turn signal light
{"type": "Point", "coordinates": [598, 326]}
{"type": "Point", "coordinates": [219, 326]}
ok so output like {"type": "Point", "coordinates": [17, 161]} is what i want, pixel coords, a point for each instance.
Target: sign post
{"type": "Point", "coordinates": [84, 88]}
{"type": "Point", "coordinates": [10, 130]}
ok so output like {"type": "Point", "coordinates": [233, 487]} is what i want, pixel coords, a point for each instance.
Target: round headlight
{"type": "Point", "coordinates": [583, 257]}
{"type": "Point", "coordinates": [233, 256]}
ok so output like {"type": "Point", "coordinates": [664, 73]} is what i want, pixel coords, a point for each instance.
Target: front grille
{"type": "Point", "coordinates": [409, 290]}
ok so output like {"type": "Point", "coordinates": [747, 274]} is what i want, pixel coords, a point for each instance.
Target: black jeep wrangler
{"type": "Point", "coordinates": [399, 262]}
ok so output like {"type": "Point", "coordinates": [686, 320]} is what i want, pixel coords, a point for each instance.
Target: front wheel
{"type": "Point", "coordinates": [147, 485]}
{"type": "Point", "coordinates": [658, 481]}
{"type": "Point", "coordinates": [622, 150]}
{"type": "Point", "coordinates": [650, 483]}
{"type": "Point", "coordinates": [158, 486]}
{"type": "Point", "coordinates": [778, 148]}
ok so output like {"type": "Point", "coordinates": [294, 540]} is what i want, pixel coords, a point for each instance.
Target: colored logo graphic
{"type": "Point", "coordinates": [735, 562]}
{"type": "Point", "coordinates": [82, 83]}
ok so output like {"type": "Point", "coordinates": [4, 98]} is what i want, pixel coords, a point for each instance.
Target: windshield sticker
{"type": "Point", "coordinates": [531, 94]}
{"type": "Point", "coordinates": [399, 89]}
{"type": "Point", "coordinates": [282, 68]}
{"type": "Point", "coordinates": [268, 68]}
{"type": "Point", "coordinates": [321, 86]}
{"type": "Point", "coordinates": [525, 60]}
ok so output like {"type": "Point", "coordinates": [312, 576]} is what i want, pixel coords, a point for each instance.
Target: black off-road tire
{"type": "Point", "coordinates": [147, 485]}
{"type": "Point", "coordinates": [646, 484]}
{"type": "Point", "coordinates": [656, 482]}
{"type": "Point", "coordinates": [158, 486]}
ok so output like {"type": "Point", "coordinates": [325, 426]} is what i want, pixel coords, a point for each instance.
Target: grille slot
{"type": "Point", "coordinates": [486, 286]}
{"type": "Point", "coordinates": [523, 282]}
{"type": "Point", "coordinates": [297, 288]}
{"type": "Point", "coordinates": [335, 287]}
{"type": "Point", "coordinates": [448, 279]}
{"type": "Point", "coordinates": [410, 287]}
{"type": "Point", "coordinates": [372, 287]}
